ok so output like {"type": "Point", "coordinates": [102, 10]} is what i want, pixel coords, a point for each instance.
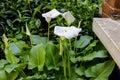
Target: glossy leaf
{"type": "Point", "coordinates": [37, 57]}
{"type": "Point", "coordinates": [10, 57]}
{"type": "Point", "coordinates": [13, 75]}
{"type": "Point", "coordinates": [72, 56]}
{"type": "Point", "coordinates": [3, 75]}
{"type": "Point", "coordinates": [34, 77]}
{"type": "Point", "coordinates": [16, 47]}
{"type": "Point", "coordinates": [38, 23]}
{"type": "Point", "coordinates": [3, 63]}
{"type": "Point", "coordinates": [90, 46]}
{"type": "Point", "coordinates": [36, 39]}
{"type": "Point", "coordinates": [100, 71]}
{"type": "Point", "coordinates": [83, 41]}
{"type": "Point", "coordinates": [80, 70]}
{"type": "Point", "coordinates": [10, 68]}
{"type": "Point", "coordinates": [50, 56]}
{"type": "Point", "coordinates": [9, 22]}
{"type": "Point", "coordinates": [91, 56]}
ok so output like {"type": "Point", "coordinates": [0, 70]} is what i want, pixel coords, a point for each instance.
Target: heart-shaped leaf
{"type": "Point", "coordinates": [36, 39]}
{"type": "Point", "coordinates": [16, 47]}
{"type": "Point", "coordinates": [100, 71]}
{"type": "Point", "coordinates": [83, 41]}
{"type": "Point", "coordinates": [50, 56]}
{"type": "Point", "coordinates": [37, 57]}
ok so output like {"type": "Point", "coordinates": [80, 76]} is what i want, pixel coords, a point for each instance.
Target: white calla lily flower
{"type": "Point", "coordinates": [51, 15]}
{"type": "Point", "coordinates": [68, 17]}
{"type": "Point", "coordinates": [66, 32]}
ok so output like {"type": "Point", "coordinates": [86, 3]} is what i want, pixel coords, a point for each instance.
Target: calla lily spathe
{"type": "Point", "coordinates": [51, 15]}
{"type": "Point", "coordinates": [27, 30]}
{"type": "Point", "coordinates": [66, 32]}
{"type": "Point", "coordinates": [68, 17]}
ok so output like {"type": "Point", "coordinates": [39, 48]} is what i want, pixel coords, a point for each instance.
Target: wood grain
{"type": "Point", "coordinates": [108, 31]}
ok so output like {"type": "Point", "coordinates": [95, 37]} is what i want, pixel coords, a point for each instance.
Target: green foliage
{"type": "Point", "coordinates": [3, 75]}
{"type": "Point", "coordinates": [17, 47]}
{"type": "Point", "coordinates": [10, 57]}
{"type": "Point", "coordinates": [52, 57]}
{"type": "Point", "coordinates": [91, 56]}
{"type": "Point", "coordinates": [100, 71]}
{"type": "Point", "coordinates": [36, 39]}
{"type": "Point", "coordinates": [34, 57]}
{"type": "Point", "coordinates": [83, 41]}
{"type": "Point", "coordinates": [37, 57]}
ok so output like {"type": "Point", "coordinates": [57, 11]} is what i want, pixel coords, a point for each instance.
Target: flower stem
{"type": "Point", "coordinates": [48, 30]}
{"type": "Point", "coordinates": [64, 64]}
{"type": "Point", "coordinates": [30, 40]}
{"type": "Point", "coordinates": [75, 44]}
{"type": "Point", "coordinates": [69, 66]}
{"type": "Point", "coordinates": [61, 48]}
{"type": "Point", "coordinates": [69, 58]}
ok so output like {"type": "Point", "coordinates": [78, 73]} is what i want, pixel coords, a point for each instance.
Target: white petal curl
{"type": "Point", "coordinates": [51, 15]}
{"type": "Point", "coordinates": [66, 32]}
{"type": "Point", "coordinates": [68, 17]}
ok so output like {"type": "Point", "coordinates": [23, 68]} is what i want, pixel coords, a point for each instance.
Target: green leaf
{"type": "Point", "coordinates": [72, 56]}
{"type": "Point", "coordinates": [83, 41]}
{"type": "Point", "coordinates": [38, 23]}
{"type": "Point", "coordinates": [10, 57]}
{"type": "Point", "coordinates": [80, 71]}
{"type": "Point", "coordinates": [13, 47]}
{"type": "Point", "coordinates": [3, 63]}
{"type": "Point", "coordinates": [90, 46]}
{"type": "Point", "coordinates": [50, 56]}
{"type": "Point", "coordinates": [36, 39]}
{"type": "Point", "coordinates": [35, 77]}
{"type": "Point", "coordinates": [37, 57]}
{"type": "Point", "coordinates": [52, 25]}
{"type": "Point", "coordinates": [36, 10]}
{"type": "Point", "coordinates": [3, 75]}
{"type": "Point", "coordinates": [95, 54]}
{"type": "Point", "coordinates": [13, 75]}
{"type": "Point", "coordinates": [9, 22]}
{"type": "Point", "coordinates": [100, 71]}
{"type": "Point", "coordinates": [10, 68]}
{"type": "Point", "coordinates": [16, 47]}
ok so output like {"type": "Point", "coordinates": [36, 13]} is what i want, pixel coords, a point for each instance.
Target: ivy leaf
{"type": "Point", "coordinates": [50, 56]}
{"type": "Point", "coordinates": [100, 71]}
{"type": "Point", "coordinates": [37, 57]}
{"type": "Point", "coordinates": [95, 54]}
{"type": "Point", "coordinates": [83, 41]}
{"type": "Point", "coordinates": [36, 39]}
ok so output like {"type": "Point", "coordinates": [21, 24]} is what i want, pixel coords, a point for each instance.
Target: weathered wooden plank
{"type": "Point", "coordinates": [108, 31]}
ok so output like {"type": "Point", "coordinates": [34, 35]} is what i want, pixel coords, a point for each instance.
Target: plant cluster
{"type": "Point", "coordinates": [51, 40]}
